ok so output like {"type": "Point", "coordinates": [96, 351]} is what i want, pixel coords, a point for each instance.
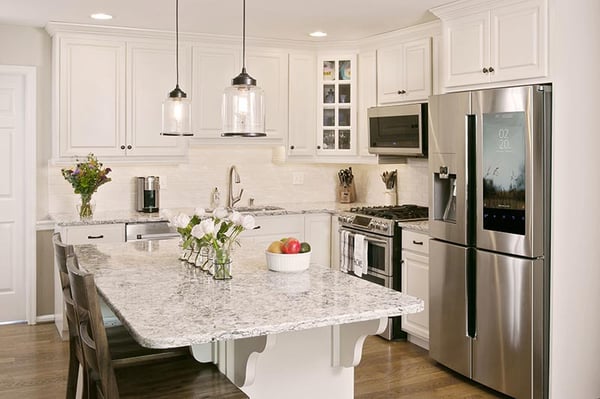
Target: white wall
{"type": "Point", "coordinates": [20, 45]}
{"type": "Point", "coordinates": [575, 291]}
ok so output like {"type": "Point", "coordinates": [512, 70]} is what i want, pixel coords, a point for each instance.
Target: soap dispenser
{"type": "Point", "coordinates": [215, 198]}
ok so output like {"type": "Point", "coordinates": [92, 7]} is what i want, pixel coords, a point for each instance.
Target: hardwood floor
{"type": "Point", "coordinates": [33, 364]}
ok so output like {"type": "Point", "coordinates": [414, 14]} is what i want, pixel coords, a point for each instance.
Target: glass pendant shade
{"type": "Point", "coordinates": [177, 115]}
{"type": "Point", "coordinates": [243, 111]}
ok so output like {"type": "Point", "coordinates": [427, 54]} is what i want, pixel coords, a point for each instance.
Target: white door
{"type": "Point", "coordinates": [17, 194]}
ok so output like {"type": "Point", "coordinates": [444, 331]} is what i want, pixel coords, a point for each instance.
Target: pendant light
{"type": "Point", "coordinates": [243, 109]}
{"type": "Point", "coordinates": [176, 109]}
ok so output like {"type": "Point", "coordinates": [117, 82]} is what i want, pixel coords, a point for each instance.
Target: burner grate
{"type": "Point", "coordinates": [397, 212]}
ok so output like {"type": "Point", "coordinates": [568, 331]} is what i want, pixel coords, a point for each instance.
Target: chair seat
{"type": "Point", "coordinates": [179, 378]}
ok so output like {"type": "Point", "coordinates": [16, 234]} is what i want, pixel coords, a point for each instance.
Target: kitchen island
{"type": "Point", "coordinates": [273, 334]}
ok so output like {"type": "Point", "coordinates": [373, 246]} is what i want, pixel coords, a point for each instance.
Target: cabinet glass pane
{"type": "Point", "coordinates": [344, 139]}
{"type": "Point", "coordinates": [344, 117]}
{"type": "Point", "coordinates": [328, 117]}
{"type": "Point", "coordinates": [329, 94]}
{"type": "Point", "coordinates": [328, 70]}
{"type": "Point", "coordinates": [345, 70]}
{"type": "Point", "coordinates": [329, 139]}
{"type": "Point", "coordinates": [344, 94]}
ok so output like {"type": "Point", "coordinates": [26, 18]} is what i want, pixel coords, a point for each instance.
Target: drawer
{"type": "Point", "coordinates": [417, 242]}
{"type": "Point", "coordinates": [93, 234]}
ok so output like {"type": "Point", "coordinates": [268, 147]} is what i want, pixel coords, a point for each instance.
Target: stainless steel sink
{"type": "Point", "coordinates": [258, 208]}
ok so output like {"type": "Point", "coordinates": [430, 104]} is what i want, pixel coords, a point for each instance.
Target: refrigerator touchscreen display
{"type": "Point", "coordinates": [504, 172]}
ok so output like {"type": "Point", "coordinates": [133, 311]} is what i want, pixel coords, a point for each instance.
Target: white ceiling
{"type": "Point", "coordinates": [283, 19]}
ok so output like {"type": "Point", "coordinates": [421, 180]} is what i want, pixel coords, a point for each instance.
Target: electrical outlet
{"type": "Point", "coordinates": [297, 178]}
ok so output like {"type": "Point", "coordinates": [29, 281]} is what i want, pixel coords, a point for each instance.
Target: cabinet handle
{"type": "Point", "coordinates": [129, 147]}
{"type": "Point", "coordinates": [291, 147]}
{"type": "Point", "coordinates": [401, 91]}
{"type": "Point", "coordinates": [491, 69]}
{"type": "Point", "coordinates": [485, 70]}
{"type": "Point", "coordinates": [417, 242]}
{"type": "Point", "coordinates": [122, 147]}
{"type": "Point", "coordinates": [95, 237]}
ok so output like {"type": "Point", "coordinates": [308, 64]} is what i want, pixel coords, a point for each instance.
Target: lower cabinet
{"type": "Point", "coordinates": [79, 235]}
{"type": "Point", "coordinates": [317, 232]}
{"type": "Point", "coordinates": [415, 282]}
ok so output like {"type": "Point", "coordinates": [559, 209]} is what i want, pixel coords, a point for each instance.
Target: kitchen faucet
{"type": "Point", "coordinates": [234, 177]}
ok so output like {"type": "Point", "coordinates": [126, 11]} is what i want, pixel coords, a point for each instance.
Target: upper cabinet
{"type": "Point", "coordinates": [110, 95]}
{"type": "Point", "coordinates": [302, 105]}
{"type": "Point", "coordinates": [404, 72]}
{"type": "Point", "coordinates": [489, 42]}
{"type": "Point", "coordinates": [336, 105]}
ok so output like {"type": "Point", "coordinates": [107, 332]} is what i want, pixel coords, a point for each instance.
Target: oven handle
{"type": "Point", "coordinates": [367, 237]}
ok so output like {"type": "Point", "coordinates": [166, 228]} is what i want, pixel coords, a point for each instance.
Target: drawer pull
{"type": "Point", "coordinates": [417, 242]}
{"type": "Point", "coordinates": [95, 237]}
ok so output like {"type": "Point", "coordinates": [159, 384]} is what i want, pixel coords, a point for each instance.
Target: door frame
{"type": "Point", "coordinates": [30, 169]}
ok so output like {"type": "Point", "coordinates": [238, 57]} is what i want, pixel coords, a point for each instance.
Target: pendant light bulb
{"type": "Point", "coordinates": [243, 108]}
{"type": "Point", "coordinates": [176, 109]}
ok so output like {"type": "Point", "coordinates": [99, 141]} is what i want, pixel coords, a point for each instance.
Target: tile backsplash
{"type": "Point", "coordinates": [267, 181]}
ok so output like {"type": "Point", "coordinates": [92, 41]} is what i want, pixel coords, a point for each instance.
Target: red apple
{"type": "Point", "coordinates": [291, 246]}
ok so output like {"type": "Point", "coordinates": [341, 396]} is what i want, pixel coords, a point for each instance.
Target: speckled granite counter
{"type": "Point", "coordinates": [166, 303]}
{"type": "Point", "coordinates": [421, 227]}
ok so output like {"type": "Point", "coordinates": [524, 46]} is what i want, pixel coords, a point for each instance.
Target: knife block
{"type": "Point", "coordinates": [346, 193]}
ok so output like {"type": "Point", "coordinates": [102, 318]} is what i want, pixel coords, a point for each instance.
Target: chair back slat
{"type": "Point", "coordinates": [91, 328]}
{"type": "Point", "coordinates": [61, 251]}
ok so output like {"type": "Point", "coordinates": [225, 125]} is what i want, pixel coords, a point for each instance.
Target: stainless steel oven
{"type": "Point", "coordinates": [379, 227]}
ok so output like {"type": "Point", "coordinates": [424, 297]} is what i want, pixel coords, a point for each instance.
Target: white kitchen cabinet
{"type": "Point", "coordinates": [90, 85]}
{"type": "Point", "coordinates": [367, 97]}
{"type": "Point", "coordinates": [317, 232]}
{"type": "Point", "coordinates": [302, 106]}
{"type": "Point", "coordinates": [79, 235]}
{"type": "Point", "coordinates": [213, 69]}
{"type": "Point", "coordinates": [336, 105]}
{"type": "Point", "coordinates": [404, 72]}
{"type": "Point", "coordinates": [415, 282]}
{"type": "Point", "coordinates": [502, 43]}
{"type": "Point", "coordinates": [151, 75]}
{"type": "Point", "coordinates": [274, 228]}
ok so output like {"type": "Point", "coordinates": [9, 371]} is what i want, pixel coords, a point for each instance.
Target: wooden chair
{"type": "Point", "coordinates": [181, 377]}
{"type": "Point", "coordinates": [125, 350]}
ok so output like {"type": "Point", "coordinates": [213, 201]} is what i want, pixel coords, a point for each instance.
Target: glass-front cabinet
{"type": "Point", "coordinates": [336, 101]}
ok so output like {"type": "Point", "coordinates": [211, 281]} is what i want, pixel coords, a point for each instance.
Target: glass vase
{"type": "Point", "coordinates": [221, 260]}
{"type": "Point", "coordinates": [86, 207]}
{"type": "Point", "coordinates": [202, 259]}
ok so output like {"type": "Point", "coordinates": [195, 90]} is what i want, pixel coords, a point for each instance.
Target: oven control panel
{"type": "Point", "coordinates": [367, 223]}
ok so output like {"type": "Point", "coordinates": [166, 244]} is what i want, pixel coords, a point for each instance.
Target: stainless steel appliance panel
{"type": "Point", "coordinates": [507, 317]}
{"type": "Point", "coordinates": [512, 140]}
{"type": "Point", "coordinates": [398, 130]}
{"type": "Point", "coordinates": [449, 342]}
{"type": "Point", "coordinates": [448, 132]}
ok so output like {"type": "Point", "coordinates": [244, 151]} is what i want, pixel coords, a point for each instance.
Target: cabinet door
{"type": "Point", "coordinates": [415, 282]}
{"type": "Point", "coordinates": [302, 97]}
{"type": "Point", "coordinates": [317, 232]}
{"type": "Point", "coordinates": [151, 76]}
{"type": "Point", "coordinates": [270, 69]}
{"type": "Point", "coordinates": [91, 87]}
{"type": "Point", "coordinates": [367, 97]}
{"type": "Point", "coordinates": [518, 42]}
{"type": "Point", "coordinates": [466, 46]}
{"type": "Point", "coordinates": [390, 81]}
{"type": "Point", "coordinates": [417, 70]}
{"type": "Point", "coordinates": [213, 69]}
{"type": "Point", "coordinates": [274, 228]}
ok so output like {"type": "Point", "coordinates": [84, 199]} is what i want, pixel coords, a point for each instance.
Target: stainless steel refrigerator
{"type": "Point", "coordinates": [489, 164]}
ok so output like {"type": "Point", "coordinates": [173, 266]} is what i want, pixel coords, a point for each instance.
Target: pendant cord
{"type": "Point", "coordinates": [177, 40]}
{"type": "Point", "coordinates": [244, 37]}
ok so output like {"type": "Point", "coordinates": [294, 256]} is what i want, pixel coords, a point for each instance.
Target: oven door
{"type": "Point", "coordinates": [379, 254]}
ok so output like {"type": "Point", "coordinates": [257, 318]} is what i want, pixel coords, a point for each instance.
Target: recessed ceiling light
{"type": "Point", "coordinates": [101, 16]}
{"type": "Point", "coordinates": [318, 34]}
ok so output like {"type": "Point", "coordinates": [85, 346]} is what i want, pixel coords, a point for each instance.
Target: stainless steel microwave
{"type": "Point", "coordinates": [399, 130]}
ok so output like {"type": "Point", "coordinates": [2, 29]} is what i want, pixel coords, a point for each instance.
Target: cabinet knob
{"type": "Point", "coordinates": [485, 70]}
{"type": "Point", "coordinates": [491, 69]}
{"type": "Point", "coordinates": [291, 147]}
{"type": "Point", "coordinates": [318, 147]}
{"type": "Point", "coordinates": [122, 147]}
{"type": "Point", "coordinates": [129, 147]}
{"type": "Point", "coordinates": [401, 91]}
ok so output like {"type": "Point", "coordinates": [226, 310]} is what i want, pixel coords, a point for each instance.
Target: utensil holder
{"type": "Point", "coordinates": [346, 193]}
{"type": "Point", "coordinates": [390, 197]}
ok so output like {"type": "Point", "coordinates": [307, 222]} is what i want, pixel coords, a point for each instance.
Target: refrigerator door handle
{"type": "Point", "coordinates": [471, 285]}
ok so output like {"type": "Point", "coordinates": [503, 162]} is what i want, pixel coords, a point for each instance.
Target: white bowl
{"type": "Point", "coordinates": [288, 263]}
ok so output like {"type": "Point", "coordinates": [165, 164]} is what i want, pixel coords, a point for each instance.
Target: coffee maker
{"type": "Point", "coordinates": [147, 193]}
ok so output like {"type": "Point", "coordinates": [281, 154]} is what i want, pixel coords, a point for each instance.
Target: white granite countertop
{"type": "Point", "coordinates": [420, 226]}
{"type": "Point", "coordinates": [167, 303]}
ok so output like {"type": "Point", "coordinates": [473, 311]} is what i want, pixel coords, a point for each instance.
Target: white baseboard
{"type": "Point", "coordinates": [423, 343]}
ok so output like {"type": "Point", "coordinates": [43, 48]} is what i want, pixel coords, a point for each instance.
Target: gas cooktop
{"type": "Point", "coordinates": [394, 212]}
